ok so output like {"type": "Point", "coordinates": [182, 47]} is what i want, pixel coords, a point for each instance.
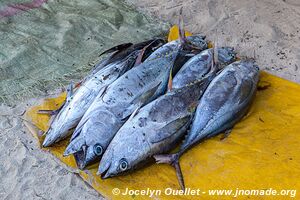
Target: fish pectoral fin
{"type": "Point", "coordinates": [170, 129]}
{"type": "Point", "coordinates": [48, 112]}
{"type": "Point", "coordinates": [129, 111]}
{"type": "Point", "coordinates": [144, 50]}
{"type": "Point", "coordinates": [78, 84]}
{"type": "Point", "coordinates": [170, 80]}
{"type": "Point", "coordinates": [51, 112]}
{"type": "Point", "coordinates": [103, 91]}
{"type": "Point", "coordinates": [135, 112]}
{"type": "Point", "coordinates": [192, 108]}
{"type": "Point", "coordinates": [145, 97]}
{"type": "Point", "coordinates": [117, 48]}
{"type": "Point", "coordinates": [139, 101]}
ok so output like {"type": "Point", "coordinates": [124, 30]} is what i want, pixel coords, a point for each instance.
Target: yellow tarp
{"type": "Point", "coordinates": [262, 152]}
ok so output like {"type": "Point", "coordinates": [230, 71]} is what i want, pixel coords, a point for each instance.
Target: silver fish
{"type": "Point", "coordinates": [77, 104]}
{"type": "Point", "coordinates": [198, 66]}
{"type": "Point", "coordinates": [224, 103]}
{"type": "Point", "coordinates": [162, 123]}
{"type": "Point", "coordinates": [156, 128]}
{"type": "Point", "coordinates": [111, 109]}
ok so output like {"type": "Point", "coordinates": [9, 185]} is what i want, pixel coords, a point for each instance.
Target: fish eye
{"type": "Point", "coordinates": [123, 164]}
{"type": "Point", "coordinates": [98, 150]}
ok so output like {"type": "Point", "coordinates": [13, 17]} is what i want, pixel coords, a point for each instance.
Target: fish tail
{"type": "Point", "coordinates": [173, 160]}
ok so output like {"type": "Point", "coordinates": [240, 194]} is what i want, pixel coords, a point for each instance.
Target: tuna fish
{"type": "Point", "coordinates": [112, 108]}
{"type": "Point", "coordinates": [198, 66]}
{"type": "Point", "coordinates": [77, 104]}
{"type": "Point", "coordinates": [224, 103]}
{"type": "Point", "coordinates": [159, 125]}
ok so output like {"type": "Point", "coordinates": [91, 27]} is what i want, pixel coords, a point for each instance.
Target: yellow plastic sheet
{"type": "Point", "coordinates": [262, 152]}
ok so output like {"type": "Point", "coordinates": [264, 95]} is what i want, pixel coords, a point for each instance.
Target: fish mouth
{"type": "Point", "coordinates": [103, 171]}
{"type": "Point", "coordinates": [83, 157]}
{"type": "Point", "coordinates": [49, 140]}
{"type": "Point", "coordinates": [80, 159]}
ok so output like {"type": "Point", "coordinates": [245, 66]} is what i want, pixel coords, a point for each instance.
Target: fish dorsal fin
{"type": "Point", "coordinates": [170, 129]}
{"type": "Point", "coordinates": [170, 80]}
{"type": "Point", "coordinates": [140, 101]}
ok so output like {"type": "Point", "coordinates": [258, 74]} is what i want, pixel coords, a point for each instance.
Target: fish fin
{"type": "Point", "coordinates": [139, 58]}
{"type": "Point", "coordinates": [170, 81]}
{"type": "Point", "coordinates": [48, 112]}
{"type": "Point", "coordinates": [135, 112]}
{"type": "Point", "coordinates": [142, 52]}
{"type": "Point", "coordinates": [103, 91]}
{"type": "Point", "coordinates": [193, 106]}
{"type": "Point", "coordinates": [226, 134]}
{"type": "Point", "coordinates": [78, 84]}
{"type": "Point", "coordinates": [175, 125]}
{"type": "Point", "coordinates": [51, 112]}
{"type": "Point", "coordinates": [173, 160]}
{"type": "Point", "coordinates": [139, 101]}
{"type": "Point", "coordinates": [127, 112]}
{"type": "Point", "coordinates": [144, 98]}
{"type": "Point", "coordinates": [117, 48]}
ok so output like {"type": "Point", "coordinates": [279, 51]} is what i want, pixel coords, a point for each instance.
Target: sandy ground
{"type": "Point", "coordinates": [270, 28]}
{"type": "Point", "coordinates": [27, 172]}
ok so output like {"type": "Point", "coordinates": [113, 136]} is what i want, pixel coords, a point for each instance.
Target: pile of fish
{"type": "Point", "coordinates": [144, 99]}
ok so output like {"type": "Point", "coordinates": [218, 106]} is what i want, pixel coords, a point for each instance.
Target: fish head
{"type": "Point", "coordinates": [88, 155]}
{"type": "Point", "coordinates": [112, 167]}
{"type": "Point", "coordinates": [89, 142]}
{"type": "Point", "coordinates": [52, 135]}
{"type": "Point", "coordinates": [121, 157]}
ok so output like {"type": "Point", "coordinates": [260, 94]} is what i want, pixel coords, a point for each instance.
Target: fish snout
{"type": "Point", "coordinates": [49, 139]}
{"type": "Point", "coordinates": [103, 170]}
{"type": "Point", "coordinates": [75, 145]}
{"type": "Point", "coordinates": [92, 154]}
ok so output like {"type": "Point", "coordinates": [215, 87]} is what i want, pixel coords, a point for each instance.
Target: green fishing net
{"type": "Point", "coordinates": [44, 48]}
